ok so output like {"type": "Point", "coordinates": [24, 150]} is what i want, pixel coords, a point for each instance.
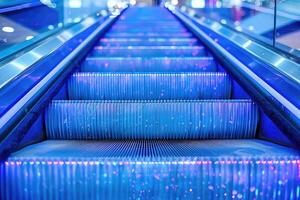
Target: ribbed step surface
{"type": "Point", "coordinates": [148, 35]}
{"type": "Point", "coordinates": [153, 51]}
{"type": "Point", "coordinates": [151, 64]}
{"type": "Point", "coordinates": [219, 169]}
{"type": "Point", "coordinates": [211, 119]}
{"type": "Point", "coordinates": [115, 42]}
{"type": "Point", "coordinates": [141, 30]}
{"type": "Point", "coordinates": [155, 24]}
{"type": "Point", "coordinates": [149, 86]}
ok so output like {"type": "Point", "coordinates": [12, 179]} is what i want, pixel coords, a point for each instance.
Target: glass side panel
{"type": "Point", "coordinates": [288, 26]}
{"type": "Point", "coordinates": [76, 10]}
{"type": "Point", "coordinates": [254, 17]}
{"type": "Point", "coordinates": [23, 22]}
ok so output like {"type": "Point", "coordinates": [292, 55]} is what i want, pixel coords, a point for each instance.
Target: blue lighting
{"type": "Point", "coordinates": [148, 114]}
{"type": "Point", "coordinates": [175, 119]}
{"type": "Point", "coordinates": [153, 86]}
{"type": "Point", "coordinates": [121, 170]}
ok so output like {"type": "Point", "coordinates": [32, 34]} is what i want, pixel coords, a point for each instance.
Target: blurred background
{"type": "Point", "coordinates": [274, 23]}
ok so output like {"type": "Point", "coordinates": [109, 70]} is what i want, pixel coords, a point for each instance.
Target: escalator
{"type": "Point", "coordinates": [150, 115]}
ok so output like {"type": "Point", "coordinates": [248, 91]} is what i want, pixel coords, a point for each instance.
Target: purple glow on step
{"type": "Point", "coordinates": [153, 64]}
{"type": "Point", "coordinates": [123, 178]}
{"type": "Point", "coordinates": [154, 86]}
{"type": "Point", "coordinates": [194, 162]}
{"type": "Point", "coordinates": [148, 119]}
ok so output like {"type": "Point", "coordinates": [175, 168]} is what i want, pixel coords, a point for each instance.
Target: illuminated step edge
{"type": "Point", "coordinates": [160, 19]}
{"type": "Point", "coordinates": [160, 22]}
{"type": "Point", "coordinates": [149, 28]}
{"type": "Point", "coordinates": [206, 119]}
{"type": "Point", "coordinates": [149, 86]}
{"type": "Point", "coordinates": [191, 178]}
{"type": "Point", "coordinates": [157, 34]}
{"type": "Point", "coordinates": [158, 51]}
{"type": "Point", "coordinates": [132, 24]}
{"type": "Point", "coordinates": [240, 169]}
{"type": "Point", "coordinates": [142, 30]}
{"type": "Point", "coordinates": [149, 182]}
{"type": "Point", "coordinates": [147, 42]}
{"type": "Point", "coordinates": [154, 24]}
{"type": "Point", "coordinates": [145, 20]}
{"type": "Point", "coordinates": [152, 64]}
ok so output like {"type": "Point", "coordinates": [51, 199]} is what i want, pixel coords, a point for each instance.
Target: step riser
{"type": "Point", "coordinates": [120, 86]}
{"type": "Point", "coordinates": [162, 19]}
{"type": "Point", "coordinates": [148, 35]}
{"type": "Point", "coordinates": [148, 40]}
{"type": "Point", "coordinates": [148, 28]}
{"type": "Point", "coordinates": [152, 29]}
{"type": "Point", "coordinates": [149, 65]}
{"type": "Point", "coordinates": [95, 180]}
{"type": "Point", "coordinates": [147, 43]}
{"type": "Point", "coordinates": [149, 51]}
{"type": "Point", "coordinates": [148, 20]}
{"type": "Point", "coordinates": [146, 120]}
{"type": "Point", "coordinates": [149, 23]}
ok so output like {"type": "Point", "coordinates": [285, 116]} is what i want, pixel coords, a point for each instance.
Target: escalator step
{"type": "Point", "coordinates": [214, 169]}
{"type": "Point", "coordinates": [152, 64]}
{"type": "Point", "coordinates": [143, 29]}
{"type": "Point", "coordinates": [148, 42]}
{"type": "Point", "coordinates": [147, 28]}
{"type": "Point", "coordinates": [130, 24]}
{"type": "Point", "coordinates": [206, 119]}
{"type": "Point", "coordinates": [147, 19]}
{"type": "Point", "coordinates": [147, 35]}
{"type": "Point", "coordinates": [149, 86]}
{"type": "Point", "coordinates": [153, 51]}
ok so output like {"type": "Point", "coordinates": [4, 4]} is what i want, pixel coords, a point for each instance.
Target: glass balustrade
{"type": "Point", "coordinates": [274, 22]}
{"type": "Point", "coordinates": [25, 22]}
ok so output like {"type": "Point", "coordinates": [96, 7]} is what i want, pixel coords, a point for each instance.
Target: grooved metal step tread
{"type": "Point", "coordinates": [171, 119]}
{"type": "Point", "coordinates": [215, 169]}
{"type": "Point", "coordinates": [140, 30]}
{"type": "Point", "coordinates": [112, 42]}
{"type": "Point", "coordinates": [149, 86]}
{"type": "Point", "coordinates": [147, 35]}
{"type": "Point", "coordinates": [149, 64]}
{"type": "Point", "coordinates": [152, 51]}
{"type": "Point", "coordinates": [155, 150]}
